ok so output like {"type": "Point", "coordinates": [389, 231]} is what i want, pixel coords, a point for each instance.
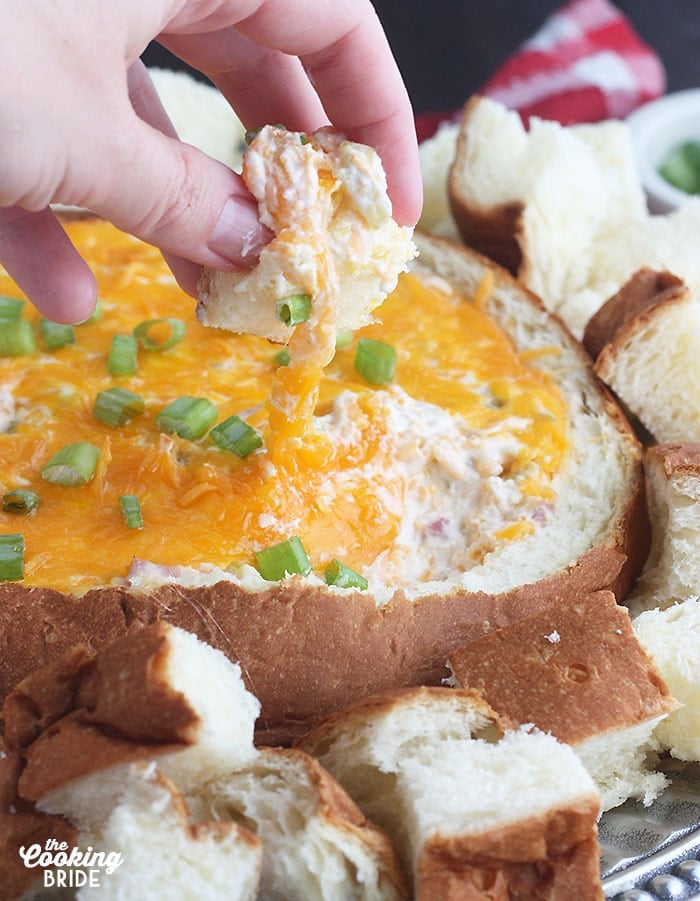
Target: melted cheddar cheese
{"type": "Point", "coordinates": [464, 409]}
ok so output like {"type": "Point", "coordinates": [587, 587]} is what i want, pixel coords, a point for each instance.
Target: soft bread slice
{"type": "Point", "coordinates": [672, 639]}
{"type": "Point", "coordinates": [324, 199]}
{"type": "Point", "coordinates": [563, 208]}
{"type": "Point", "coordinates": [593, 535]}
{"type": "Point", "coordinates": [646, 343]}
{"type": "Point", "coordinates": [673, 490]}
{"type": "Point", "coordinates": [163, 853]}
{"type": "Point", "coordinates": [318, 846]}
{"type": "Point", "coordinates": [475, 811]}
{"type": "Point", "coordinates": [555, 670]}
{"type": "Point", "coordinates": [156, 693]}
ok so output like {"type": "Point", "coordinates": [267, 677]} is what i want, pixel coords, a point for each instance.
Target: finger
{"type": "Point", "coordinates": [262, 85]}
{"type": "Point", "coordinates": [174, 196]}
{"type": "Point", "coordinates": [36, 251]}
{"type": "Point", "coordinates": [147, 106]}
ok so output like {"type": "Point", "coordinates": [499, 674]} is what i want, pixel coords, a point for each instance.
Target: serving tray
{"type": "Point", "coordinates": [653, 853]}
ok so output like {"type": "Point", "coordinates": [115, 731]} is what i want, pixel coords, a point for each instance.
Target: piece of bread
{"type": "Point", "coordinates": [563, 208]}
{"type": "Point", "coordinates": [673, 489]}
{"type": "Point", "coordinates": [324, 199]}
{"type": "Point", "coordinates": [592, 535]}
{"type": "Point", "coordinates": [672, 637]}
{"type": "Point", "coordinates": [155, 693]}
{"type": "Point", "coordinates": [477, 812]}
{"type": "Point", "coordinates": [645, 341]}
{"type": "Point", "coordinates": [436, 155]}
{"type": "Point", "coordinates": [163, 852]}
{"type": "Point", "coordinates": [318, 846]}
{"type": "Point", "coordinates": [557, 670]}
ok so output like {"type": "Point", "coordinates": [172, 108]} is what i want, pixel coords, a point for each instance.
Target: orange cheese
{"type": "Point", "coordinates": [202, 504]}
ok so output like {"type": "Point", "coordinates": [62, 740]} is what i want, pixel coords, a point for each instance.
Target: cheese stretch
{"type": "Point", "coordinates": [418, 480]}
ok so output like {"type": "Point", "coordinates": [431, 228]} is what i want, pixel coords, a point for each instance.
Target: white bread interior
{"type": "Point", "coordinates": [347, 227]}
{"type": "Point", "coordinates": [646, 344]}
{"type": "Point", "coordinates": [576, 208]}
{"type": "Point", "coordinates": [164, 852]}
{"type": "Point", "coordinates": [672, 638]}
{"type": "Point", "coordinates": [317, 844]}
{"type": "Point", "coordinates": [436, 155]}
{"type": "Point", "coordinates": [436, 770]}
{"type": "Point", "coordinates": [561, 665]}
{"type": "Point", "coordinates": [672, 474]}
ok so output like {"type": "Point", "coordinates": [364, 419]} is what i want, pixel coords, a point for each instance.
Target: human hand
{"type": "Point", "coordinates": [82, 125]}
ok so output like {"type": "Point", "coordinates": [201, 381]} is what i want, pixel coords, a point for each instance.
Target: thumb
{"type": "Point", "coordinates": [174, 196]}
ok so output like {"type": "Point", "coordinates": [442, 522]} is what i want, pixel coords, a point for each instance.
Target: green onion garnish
{"type": "Point", "coordinates": [20, 501]}
{"type": "Point", "coordinates": [188, 417]}
{"type": "Point", "coordinates": [681, 167]}
{"type": "Point", "coordinates": [16, 338]}
{"type": "Point", "coordinates": [375, 361]}
{"type": "Point", "coordinates": [116, 406]}
{"type": "Point", "coordinates": [123, 355]}
{"type": "Point", "coordinates": [282, 357]}
{"type": "Point", "coordinates": [236, 435]}
{"type": "Point", "coordinates": [74, 464]}
{"type": "Point", "coordinates": [143, 331]}
{"type": "Point", "coordinates": [56, 334]}
{"type": "Point", "coordinates": [10, 308]}
{"type": "Point", "coordinates": [251, 133]}
{"type": "Point", "coordinates": [283, 559]}
{"type": "Point", "coordinates": [131, 511]}
{"type": "Point", "coordinates": [11, 558]}
{"type": "Point", "coordinates": [343, 339]}
{"type": "Point", "coordinates": [342, 576]}
{"type": "Point", "coordinates": [294, 309]}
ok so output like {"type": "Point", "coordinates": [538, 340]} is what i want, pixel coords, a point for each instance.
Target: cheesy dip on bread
{"type": "Point", "coordinates": [415, 479]}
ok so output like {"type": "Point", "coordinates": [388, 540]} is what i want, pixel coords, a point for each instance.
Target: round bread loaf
{"type": "Point", "coordinates": [306, 648]}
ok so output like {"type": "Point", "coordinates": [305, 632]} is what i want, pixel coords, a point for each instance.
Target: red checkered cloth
{"type": "Point", "coordinates": [586, 63]}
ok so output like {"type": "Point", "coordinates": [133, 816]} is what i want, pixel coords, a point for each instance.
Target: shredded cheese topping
{"type": "Point", "coordinates": [350, 497]}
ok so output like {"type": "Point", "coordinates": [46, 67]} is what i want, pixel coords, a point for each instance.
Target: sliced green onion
{"type": "Point", "coordinates": [282, 357]}
{"type": "Point", "coordinates": [234, 434]}
{"type": "Point", "coordinates": [294, 309]}
{"type": "Point", "coordinates": [56, 334]}
{"type": "Point", "coordinates": [143, 330]}
{"type": "Point", "coordinates": [251, 133]}
{"type": "Point", "coordinates": [681, 167]}
{"type": "Point", "coordinates": [20, 501]}
{"type": "Point", "coordinates": [10, 308]}
{"type": "Point", "coordinates": [96, 314]}
{"type": "Point", "coordinates": [11, 558]}
{"type": "Point", "coordinates": [131, 511]}
{"type": "Point", "coordinates": [16, 338]}
{"type": "Point", "coordinates": [74, 464]}
{"type": "Point", "coordinates": [343, 339]}
{"type": "Point", "coordinates": [188, 417]}
{"type": "Point", "coordinates": [375, 361]}
{"type": "Point", "coordinates": [283, 559]}
{"type": "Point", "coordinates": [116, 406]}
{"type": "Point", "coordinates": [342, 576]}
{"type": "Point", "coordinates": [123, 355]}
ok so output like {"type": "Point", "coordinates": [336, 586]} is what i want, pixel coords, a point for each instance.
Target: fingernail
{"type": "Point", "coordinates": [239, 235]}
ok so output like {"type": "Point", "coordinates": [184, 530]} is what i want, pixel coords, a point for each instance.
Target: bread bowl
{"type": "Point", "coordinates": [398, 632]}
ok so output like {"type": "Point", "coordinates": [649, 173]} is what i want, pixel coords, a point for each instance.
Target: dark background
{"type": "Point", "coordinates": [446, 49]}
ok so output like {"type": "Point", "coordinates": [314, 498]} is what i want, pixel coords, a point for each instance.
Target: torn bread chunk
{"type": "Point", "coordinates": [325, 200]}
{"type": "Point", "coordinates": [672, 639]}
{"type": "Point", "coordinates": [318, 846]}
{"type": "Point", "coordinates": [157, 693]}
{"type": "Point", "coordinates": [555, 670]}
{"type": "Point", "coordinates": [646, 343]}
{"type": "Point", "coordinates": [672, 475]}
{"type": "Point", "coordinates": [475, 809]}
{"type": "Point", "coordinates": [162, 852]}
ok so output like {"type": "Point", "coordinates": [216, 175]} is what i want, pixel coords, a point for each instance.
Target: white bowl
{"type": "Point", "coordinates": [657, 128]}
